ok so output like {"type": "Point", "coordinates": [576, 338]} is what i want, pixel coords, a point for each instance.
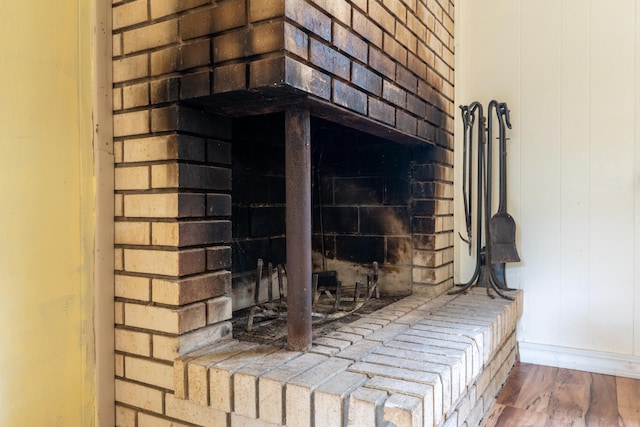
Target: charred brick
{"type": "Point", "coordinates": [191, 205]}
{"type": "Point", "coordinates": [204, 233]}
{"type": "Point", "coordinates": [218, 205]}
{"type": "Point", "coordinates": [328, 59]}
{"type": "Point", "coordinates": [382, 111]}
{"type": "Point", "coordinates": [278, 253]}
{"type": "Point", "coordinates": [165, 61]}
{"type": "Point", "coordinates": [267, 72]}
{"type": "Point", "coordinates": [218, 258]}
{"type": "Point", "coordinates": [394, 94]}
{"type": "Point", "coordinates": [303, 77]}
{"type": "Point", "coordinates": [423, 190]}
{"type": "Point", "coordinates": [424, 172]}
{"type": "Point", "coordinates": [424, 225]}
{"type": "Point", "coordinates": [194, 54]}
{"type": "Point", "coordinates": [360, 249]}
{"type": "Point", "coordinates": [382, 63]}
{"type": "Point", "coordinates": [416, 105]}
{"type": "Point", "coordinates": [266, 221]}
{"type": "Point", "coordinates": [424, 241]}
{"type": "Point", "coordinates": [424, 207]}
{"type": "Point", "coordinates": [406, 79]}
{"type": "Point", "coordinates": [349, 97]}
{"type": "Point", "coordinates": [406, 122]}
{"type": "Point", "coordinates": [204, 177]}
{"type": "Point", "coordinates": [309, 17]}
{"type": "Point", "coordinates": [329, 245]}
{"type": "Point", "coordinates": [191, 148]}
{"type": "Point", "coordinates": [164, 119]}
{"type": "Point", "coordinates": [366, 79]}
{"type": "Point", "coordinates": [426, 131]}
{"type": "Point", "coordinates": [385, 220]}
{"type": "Point", "coordinates": [232, 45]}
{"type": "Point", "coordinates": [203, 124]}
{"type": "Point", "coordinates": [227, 78]}
{"type": "Point", "coordinates": [397, 191]}
{"type": "Point", "coordinates": [165, 90]}
{"type": "Point", "coordinates": [340, 219]}
{"type": "Point", "coordinates": [240, 216]}
{"type": "Point", "coordinates": [245, 254]}
{"type": "Point", "coordinates": [358, 191]}
{"type": "Point", "coordinates": [218, 152]}
{"type": "Point", "coordinates": [258, 189]}
{"type": "Point", "coordinates": [349, 43]}
{"type": "Point", "coordinates": [399, 250]}
{"type": "Point", "coordinates": [296, 41]}
{"type": "Point", "coordinates": [195, 85]}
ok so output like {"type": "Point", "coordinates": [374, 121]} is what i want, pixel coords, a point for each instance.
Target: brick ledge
{"type": "Point", "coordinates": [416, 362]}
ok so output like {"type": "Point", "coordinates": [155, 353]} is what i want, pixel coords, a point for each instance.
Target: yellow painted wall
{"type": "Point", "coordinates": [47, 214]}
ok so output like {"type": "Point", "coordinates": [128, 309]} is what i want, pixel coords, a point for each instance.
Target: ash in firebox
{"type": "Point", "coordinates": [269, 321]}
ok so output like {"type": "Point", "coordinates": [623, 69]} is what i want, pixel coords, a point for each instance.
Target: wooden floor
{"type": "Point", "coordinates": [543, 396]}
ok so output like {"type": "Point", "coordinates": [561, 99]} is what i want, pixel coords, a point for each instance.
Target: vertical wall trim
{"type": "Point", "coordinates": [103, 159]}
{"type": "Point", "coordinates": [636, 240]}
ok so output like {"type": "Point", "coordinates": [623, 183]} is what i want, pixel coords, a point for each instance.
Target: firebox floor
{"type": "Point", "coordinates": [268, 329]}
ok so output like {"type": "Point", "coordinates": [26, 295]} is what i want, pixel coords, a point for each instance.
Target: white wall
{"type": "Point", "coordinates": [570, 72]}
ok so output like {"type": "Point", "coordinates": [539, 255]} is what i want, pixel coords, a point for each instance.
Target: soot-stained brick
{"type": "Point", "coordinates": [424, 225]}
{"type": "Point", "coordinates": [358, 190]}
{"type": "Point", "coordinates": [266, 221]}
{"type": "Point", "coordinates": [360, 249]}
{"type": "Point", "coordinates": [246, 253]}
{"type": "Point", "coordinates": [385, 220]}
{"type": "Point", "coordinates": [329, 245]}
{"type": "Point", "coordinates": [340, 219]}
{"type": "Point", "coordinates": [397, 190]}
{"type": "Point", "coordinates": [399, 250]}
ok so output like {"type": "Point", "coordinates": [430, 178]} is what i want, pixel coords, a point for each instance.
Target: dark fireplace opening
{"type": "Point", "coordinates": [258, 201]}
{"type": "Point", "coordinates": [362, 189]}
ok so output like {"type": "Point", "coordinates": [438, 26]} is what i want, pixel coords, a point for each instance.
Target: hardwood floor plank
{"type": "Point", "coordinates": [492, 417]}
{"type": "Point", "coordinates": [544, 396]}
{"type": "Point", "coordinates": [603, 408]}
{"type": "Point", "coordinates": [508, 416]}
{"type": "Point", "coordinates": [511, 389]}
{"type": "Point", "coordinates": [570, 398]}
{"type": "Point", "coordinates": [537, 388]}
{"type": "Point", "coordinates": [628, 393]}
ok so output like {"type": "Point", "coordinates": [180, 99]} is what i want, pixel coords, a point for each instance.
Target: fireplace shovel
{"type": "Point", "coordinates": [502, 227]}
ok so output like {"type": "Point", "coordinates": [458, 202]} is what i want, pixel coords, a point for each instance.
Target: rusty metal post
{"type": "Point", "coordinates": [298, 227]}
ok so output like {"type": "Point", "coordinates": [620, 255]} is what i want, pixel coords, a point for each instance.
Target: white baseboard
{"type": "Point", "coordinates": [582, 360]}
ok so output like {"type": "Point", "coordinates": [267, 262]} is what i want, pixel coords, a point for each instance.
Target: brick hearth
{"type": "Point", "coordinates": [416, 362]}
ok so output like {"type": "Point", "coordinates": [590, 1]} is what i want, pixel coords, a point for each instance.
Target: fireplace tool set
{"type": "Point", "coordinates": [500, 229]}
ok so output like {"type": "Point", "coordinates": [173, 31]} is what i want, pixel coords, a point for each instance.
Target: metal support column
{"type": "Point", "coordinates": [298, 227]}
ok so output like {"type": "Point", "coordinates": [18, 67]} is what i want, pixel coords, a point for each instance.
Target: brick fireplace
{"type": "Point", "coordinates": [203, 95]}
{"type": "Point", "coordinates": [201, 89]}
